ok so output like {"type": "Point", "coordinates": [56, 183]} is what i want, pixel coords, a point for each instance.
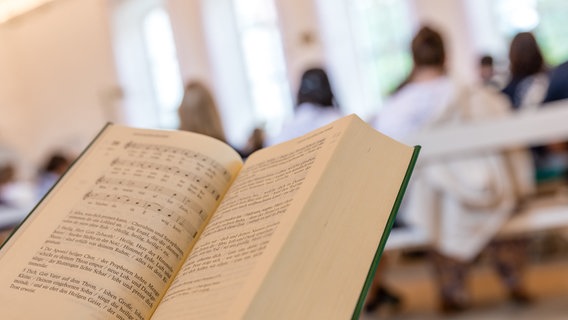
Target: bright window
{"type": "Point", "coordinates": [163, 66]}
{"type": "Point", "coordinates": [382, 33]}
{"type": "Point", "coordinates": [367, 50]}
{"type": "Point", "coordinates": [516, 15]}
{"type": "Point", "coordinates": [146, 63]}
{"type": "Point", "coordinates": [552, 30]}
{"type": "Point", "coordinates": [546, 18]}
{"type": "Point", "coordinates": [264, 65]}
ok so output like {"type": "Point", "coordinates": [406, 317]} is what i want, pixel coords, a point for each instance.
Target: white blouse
{"type": "Point", "coordinates": [307, 117]}
{"type": "Point", "coordinates": [415, 106]}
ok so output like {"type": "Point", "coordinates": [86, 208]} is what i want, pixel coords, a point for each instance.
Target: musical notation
{"type": "Point", "coordinates": [178, 184]}
{"type": "Point", "coordinates": [167, 192]}
{"type": "Point", "coordinates": [146, 206]}
{"type": "Point", "coordinates": [172, 170]}
{"type": "Point", "coordinates": [180, 151]}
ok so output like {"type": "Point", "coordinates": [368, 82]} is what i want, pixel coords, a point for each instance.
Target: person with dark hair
{"type": "Point", "coordinates": [426, 92]}
{"type": "Point", "coordinates": [315, 106]}
{"type": "Point", "coordinates": [486, 69]}
{"type": "Point", "coordinates": [7, 175]}
{"type": "Point", "coordinates": [447, 197]}
{"type": "Point", "coordinates": [530, 87]}
{"type": "Point", "coordinates": [488, 75]}
{"type": "Point", "coordinates": [528, 72]}
{"type": "Point", "coordinates": [55, 165]}
{"type": "Point", "coordinates": [418, 100]}
{"type": "Point", "coordinates": [315, 88]}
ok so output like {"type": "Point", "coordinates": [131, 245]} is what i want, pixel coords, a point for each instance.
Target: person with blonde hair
{"type": "Point", "coordinates": [198, 112]}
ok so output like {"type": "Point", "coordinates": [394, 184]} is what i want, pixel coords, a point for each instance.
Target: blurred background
{"type": "Point", "coordinates": [67, 67]}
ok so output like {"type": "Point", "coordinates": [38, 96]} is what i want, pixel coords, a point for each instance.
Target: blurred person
{"type": "Point", "coordinates": [198, 112]}
{"type": "Point", "coordinates": [486, 69]}
{"type": "Point", "coordinates": [558, 83]}
{"type": "Point", "coordinates": [422, 97]}
{"type": "Point", "coordinates": [487, 73]}
{"type": "Point", "coordinates": [10, 194]}
{"type": "Point", "coordinates": [461, 203]}
{"type": "Point", "coordinates": [553, 158]}
{"type": "Point", "coordinates": [528, 89]}
{"type": "Point", "coordinates": [53, 168]}
{"type": "Point", "coordinates": [528, 81]}
{"type": "Point", "coordinates": [255, 142]}
{"type": "Point", "coordinates": [7, 176]}
{"type": "Point", "coordinates": [315, 106]}
{"type": "Point", "coordinates": [425, 94]}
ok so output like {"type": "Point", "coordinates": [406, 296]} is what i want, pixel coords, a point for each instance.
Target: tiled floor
{"type": "Point", "coordinates": [546, 280]}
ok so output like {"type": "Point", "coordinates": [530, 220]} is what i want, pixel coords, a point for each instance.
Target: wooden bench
{"type": "Point", "coordinates": [537, 127]}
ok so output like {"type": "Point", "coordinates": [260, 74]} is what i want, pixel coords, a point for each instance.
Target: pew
{"type": "Point", "coordinates": [538, 126]}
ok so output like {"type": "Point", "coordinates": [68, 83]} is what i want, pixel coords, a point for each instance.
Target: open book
{"type": "Point", "coordinates": [156, 224]}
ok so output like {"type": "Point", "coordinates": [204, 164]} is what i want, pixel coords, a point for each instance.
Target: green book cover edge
{"type": "Point", "coordinates": [386, 233]}
{"type": "Point", "coordinates": [52, 187]}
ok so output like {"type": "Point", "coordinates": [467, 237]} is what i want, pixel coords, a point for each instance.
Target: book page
{"type": "Point", "coordinates": [106, 242]}
{"type": "Point", "coordinates": [297, 232]}
{"type": "Point", "coordinates": [248, 227]}
{"type": "Point", "coordinates": [321, 270]}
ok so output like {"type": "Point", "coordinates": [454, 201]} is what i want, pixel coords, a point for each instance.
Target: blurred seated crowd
{"type": "Point", "coordinates": [15, 193]}
{"type": "Point", "coordinates": [448, 197]}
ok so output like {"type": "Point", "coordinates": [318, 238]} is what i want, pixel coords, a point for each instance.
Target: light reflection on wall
{"type": "Point", "coordinates": [10, 9]}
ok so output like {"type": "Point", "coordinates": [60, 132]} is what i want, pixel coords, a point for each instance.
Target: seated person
{"type": "Point", "coordinates": [51, 171]}
{"type": "Point", "coordinates": [315, 107]}
{"type": "Point", "coordinates": [7, 175]}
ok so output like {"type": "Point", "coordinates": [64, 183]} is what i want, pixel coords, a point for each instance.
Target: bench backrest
{"type": "Point", "coordinates": [540, 126]}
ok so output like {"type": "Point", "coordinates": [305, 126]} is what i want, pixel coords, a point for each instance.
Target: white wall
{"type": "Point", "coordinates": [57, 77]}
{"type": "Point", "coordinates": [189, 35]}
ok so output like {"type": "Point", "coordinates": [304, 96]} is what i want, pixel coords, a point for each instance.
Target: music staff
{"type": "Point", "coordinates": [146, 165]}
{"type": "Point", "coordinates": [168, 193]}
{"type": "Point", "coordinates": [180, 151]}
{"type": "Point", "coordinates": [145, 206]}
